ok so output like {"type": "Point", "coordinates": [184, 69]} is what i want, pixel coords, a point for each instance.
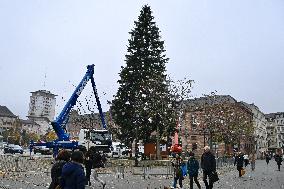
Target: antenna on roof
{"type": "Point", "coordinates": [44, 80]}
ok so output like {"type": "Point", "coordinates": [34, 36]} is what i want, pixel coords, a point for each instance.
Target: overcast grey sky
{"type": "Point", "coordinates": [234, 47]}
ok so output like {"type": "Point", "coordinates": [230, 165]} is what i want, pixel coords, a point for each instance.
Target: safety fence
{"type": "Point", "coordinates": [35, 173]}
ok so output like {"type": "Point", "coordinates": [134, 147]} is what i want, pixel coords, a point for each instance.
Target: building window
{"type": "Point", "coordinates": [194, 126]}
{"type": "Point", "coordinates": [194, 146]}
{"type": "Point", "coordinates": [193, 138]}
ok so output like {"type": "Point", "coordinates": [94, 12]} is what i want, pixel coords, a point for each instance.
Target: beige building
{"type": "Point", "coordinates": [260, 130]}
{"type": "Point", "coordinates": [31, 127]}
{"type": "Point", "coordinates": [276, 130]}
{"type": "Point", "coordinates": [7, 119]}
{"type": "Point", "coordinates": [42, 109]}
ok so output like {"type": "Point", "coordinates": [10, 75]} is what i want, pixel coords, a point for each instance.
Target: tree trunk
{"type": "Point", "coordinates": [158, 150]}
{"type": "Point", "coordinates": [136, 153]}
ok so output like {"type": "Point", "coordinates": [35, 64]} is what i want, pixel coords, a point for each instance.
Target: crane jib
{"type": "Point", "coordinates": [60, 122]}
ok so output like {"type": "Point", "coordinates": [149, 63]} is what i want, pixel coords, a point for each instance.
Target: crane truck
{"type": "Point", "coordinates": [101, 139]}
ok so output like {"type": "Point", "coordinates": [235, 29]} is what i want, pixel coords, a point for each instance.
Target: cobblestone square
{"type": "Point", "coordinates": [39, 176]}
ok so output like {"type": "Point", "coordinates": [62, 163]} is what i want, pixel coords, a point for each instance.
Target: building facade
{"type": "Point", "coordinates": [271, 133]}
{"type": "Point", "coordinates": [77, 122]}
{"type": "Point", "coordinates": [42, 109]}
{"type": "Point", "coordinates": [205, 117]}
{"type": "Point", "coordinates": [7, 119]}
{"type": "Point", "coordinates": [276, 129]}
{"type": "Point", "coordinates": [31, 126]}
{"type": "Point", "coordinates": [260, 130]}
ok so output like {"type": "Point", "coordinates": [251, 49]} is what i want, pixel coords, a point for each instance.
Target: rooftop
{"type": "Point", "coordinates": [5, 112]}
{"type": "Point", "coordinates": [44, 92]}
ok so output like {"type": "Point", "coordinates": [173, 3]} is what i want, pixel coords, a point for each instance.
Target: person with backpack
{"type": "Point", "coordinates": [178, 174]}
{"type": "Point", "coordinates": [62, 158]}
{"type": "Point", "coordinates": [192, 170]}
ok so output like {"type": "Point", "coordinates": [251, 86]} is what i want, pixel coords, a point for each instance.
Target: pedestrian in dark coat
{"type": "Point", "coordinates": [88, 166]}
{"type": "Point", "coordinates": [239, 161]}
{"type": "Point", "coordinates": [267, 158]}
{"type": "Point", "coordinates": [62, 158]}
{"type": "Point", "coordinates": [278, 159]}
{"type": "Point", "coordinates": [192, 170]}
{"type": "Point", "coordinates": [73, 175]}
{"type": "Point", "coordinates": [208, 164]}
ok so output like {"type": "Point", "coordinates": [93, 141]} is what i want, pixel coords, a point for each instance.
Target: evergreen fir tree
{"type": "Point", "coordinates": [143, 103]}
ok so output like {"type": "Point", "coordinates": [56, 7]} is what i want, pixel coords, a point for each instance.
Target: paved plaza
{"type": "Point", "coordinates": [18, 176]}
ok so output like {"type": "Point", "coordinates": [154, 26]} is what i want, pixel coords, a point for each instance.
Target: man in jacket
{"type": "Point", "coordinates": [73, 175]}
{"type": "Point", "coordinates": [208, 164]}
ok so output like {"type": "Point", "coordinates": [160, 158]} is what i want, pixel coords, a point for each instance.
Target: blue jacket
{"type": "Point", "coordinates": [192, 167]}
{"type": "Point", "coordinates": [73, 176]}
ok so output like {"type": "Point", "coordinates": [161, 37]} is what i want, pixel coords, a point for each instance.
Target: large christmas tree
{"type": "Point", "coordinates": [143, 105]}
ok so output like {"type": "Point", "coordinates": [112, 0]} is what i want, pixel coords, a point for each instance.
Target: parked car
{"type": "Point", "coordinates": [11, 148]}
{"type": "Point", "coordinates": [42, 150]}
{"type": "Point", "coordinates": [2, 145]}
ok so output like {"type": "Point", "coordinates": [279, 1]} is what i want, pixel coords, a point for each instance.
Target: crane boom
{"type": "Point", "coordinates": [59, 125]}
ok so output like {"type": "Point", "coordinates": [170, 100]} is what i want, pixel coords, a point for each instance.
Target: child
{"type": "Point", "coordinates": [178, 175]}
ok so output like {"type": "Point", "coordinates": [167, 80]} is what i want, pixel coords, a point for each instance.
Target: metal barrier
{"type": "Point", "coordinates": [224, 161]}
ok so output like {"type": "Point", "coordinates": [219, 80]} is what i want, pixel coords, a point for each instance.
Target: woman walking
{"type": "Point", "coordinates": [239, 161]}
{"type": "Point", "coordinates": [252, 161]}
{"type": "Point", "coordinates": [192, 170]}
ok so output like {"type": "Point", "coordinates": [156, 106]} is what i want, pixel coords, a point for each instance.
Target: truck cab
{"type": "Point", "coordinates": [101, 139]}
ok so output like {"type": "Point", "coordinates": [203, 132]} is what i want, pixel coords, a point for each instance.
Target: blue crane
{"type": "Point", "coordinates": [59, 125]}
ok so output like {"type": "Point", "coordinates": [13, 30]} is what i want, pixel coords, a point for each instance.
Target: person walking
{"type": "Point", "coordinates": [178, 175]}
{"type": "Point", "coordinates": [88, 166]}
{"type": "Point", "coordinates": [97, 164]}
{"type": "Point", "coordinates": [239, 161]}
{"type": "Point", "coordinates": [208, 165]}
{"type": "Point", "coordinates": [62, 158]}
{"type": "Point", "coordinates": [267, 158]}
{"type": "Point", "coordinates": [246, 160]}
{"type": "Point", "coordinates": [192, 170]}
{"type": "Point", "coordinates": [252, 161]}
{"type": "Point", "coordinates": [73, 175]}
{"type": "Point", "coordinates": [278, 159]}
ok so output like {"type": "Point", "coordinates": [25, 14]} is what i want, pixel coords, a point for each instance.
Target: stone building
{"type": "Point", "coordinates": [204, 111]}
{"type": "Point", "coordinates": [42, 109]}
{"type": "Point", "coordinates": [7, 118]}
{"type": "Point", "coordinates": [275, 130]}
{"type": "Point", "coordinates": [31, 126]}
{"type": "Point", "coordinates": [260, 132]}
{"type": "Point", "coordinates": [86, 121]}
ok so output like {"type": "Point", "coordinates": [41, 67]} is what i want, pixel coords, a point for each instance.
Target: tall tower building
{"type": "Point", "coordinates": [42, 108]}
{"type": "Point", "coordinates": [42, 104]}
